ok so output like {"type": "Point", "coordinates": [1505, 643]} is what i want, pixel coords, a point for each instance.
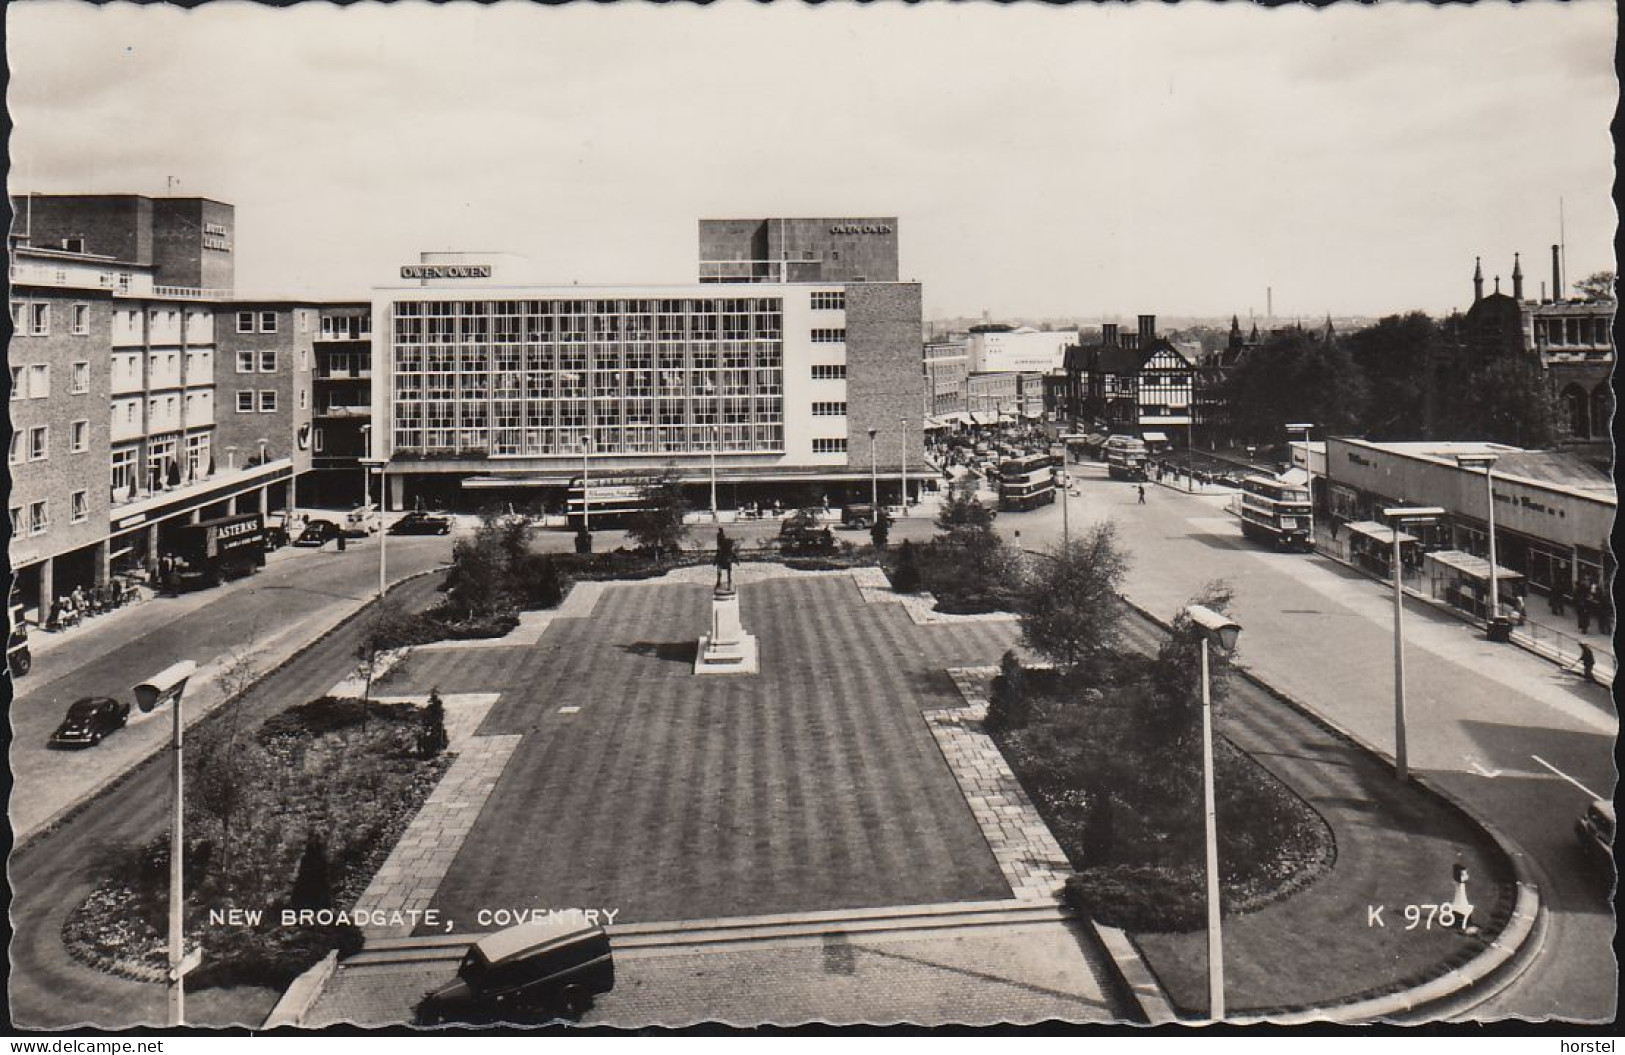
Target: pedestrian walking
{"type": "Point", "coordinates": [1141, 488]}
{"type": "Point", "coordinates": [1557, 599]}
{"type": "Point", "coordinates": [1582, 607]}
{"type": "Point", "coordinates": [341, 541]}
{"type": "Point", "coordinates": [1588, 662]}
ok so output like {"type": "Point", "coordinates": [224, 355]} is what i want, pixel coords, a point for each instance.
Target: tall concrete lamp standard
{"type": "Point", "coordinates": [1309, 470]}
{"type": "Point", "coordinates": [874, 473]}
{"type": "Point", "coordinates": [902, 446]}
{"type": "Point", "coordinates": [1403, 516]}
{"type": "Point", "coordinates": [716, 439]}
{"type": "Point", "coordinates": [1487, 462]}
{"type": "Point", "coordinates": [1216, 629]}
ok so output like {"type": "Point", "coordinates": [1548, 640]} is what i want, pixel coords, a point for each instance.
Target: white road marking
{"type": "Point", "coordinates": [1481, 771]}
{"type": "Point", "coordinates": [569, 710]}
{"type": "Point", "coordinates": [1565, 776]}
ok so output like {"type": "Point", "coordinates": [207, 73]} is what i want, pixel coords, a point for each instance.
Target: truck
{"type": "Point", "coordinates": [211, 550]}
{"type": "Point", "coordinates": [18, 658]}
{"type": "Point", "coordinates": [1125, 457]}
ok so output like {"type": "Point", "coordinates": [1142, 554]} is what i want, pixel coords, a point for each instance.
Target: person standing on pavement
{"type": "Point", "coordinates": [1582, 608]}
{"type": "Point", "coordinates": [1141, 488]}
{"type": "Point", "coordinates": [1588, 662]}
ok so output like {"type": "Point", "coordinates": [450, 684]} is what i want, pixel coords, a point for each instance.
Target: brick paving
{"type": "Point", "coordinates": [1032, 861]}
{"type": "Point", "coordinates": [415, 868]}
{"type": "Point", "coordinates": [815, 786]}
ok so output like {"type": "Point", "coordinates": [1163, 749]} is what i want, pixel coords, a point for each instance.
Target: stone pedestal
{"type": "Point", "coordinates": [727, 649]}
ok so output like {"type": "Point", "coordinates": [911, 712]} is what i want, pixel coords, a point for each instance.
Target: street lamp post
{"type": "Point", "coordinates": [902, 445]}
{"type": "Point", "coordinates": [874, 472]}
{"type": "Point", "coordinates": [366, 467]}
{"type": "Point", "coordinates": [1406, 516]}
{"type": "Point", "coordinates": [716, 434]}
{"type": "Point", "coordinates": [1215, 629]}
{"type": "Point", "coordinates": [1066, 496]}
{"type": "Point", "coordinates": [586, 501]}
{"type": "Point", "coordinates": [1309, 470]}
{"type": "Point", "coordinates": [1487, 463]}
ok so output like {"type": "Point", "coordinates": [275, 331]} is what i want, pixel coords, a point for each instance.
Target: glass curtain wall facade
{"type": "Point", "coordinates": [536, 377]}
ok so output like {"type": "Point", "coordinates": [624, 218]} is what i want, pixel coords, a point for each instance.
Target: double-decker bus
{"type": "Point", "coordinates": [1276, 512]}
{"type": "Point", "coordinates": [1026, 483]}
{"type": "Point", "coordinates": [1125, 457]}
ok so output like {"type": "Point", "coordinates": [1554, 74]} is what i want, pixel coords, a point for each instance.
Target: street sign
{"type": "Point", "coordinates": [189, 963]}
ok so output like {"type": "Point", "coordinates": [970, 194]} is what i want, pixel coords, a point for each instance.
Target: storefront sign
{"type": "Point", "coordinates": [860, 228]}
{"type": "Point", "coordinates": [132, 521]}
{"type": "Point", "coordinates": [216, 237]}
{"type": "Point", "coordinates": [445, 270]}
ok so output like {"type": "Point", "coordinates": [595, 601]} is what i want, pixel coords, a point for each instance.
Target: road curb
{"type": "Point", "coordinates": [302, 995]}
{"type": "Point", "coordinates": [23, 840]}
{"type": "Point", "coordinates": [1527, 910]}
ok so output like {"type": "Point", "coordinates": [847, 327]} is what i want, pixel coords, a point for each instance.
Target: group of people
{"type": "Point", "coordinates": [73, 608]}
{"type": "Point", "coordinates": [1590, 605]}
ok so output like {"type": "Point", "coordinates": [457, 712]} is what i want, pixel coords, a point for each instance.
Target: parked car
{"type": "Point", "coordinates": [859, 515]}
{"type": "Point", "coordinates": [418, 522]}
{"type": "Point", "coordinates": [317, 533]}
{"type": "Point", "coordinates": [361, 522]}
{"type": "Point", "coordinates": [1595, 829]}
{"type": "Point", "coordinates": [89, 719]}
{"type": "Point", "coordinates": [800, 535]}
{"type": "Point", "coordinates": [524, 972]}
{"type": "Point", "coordinates": [276, 534]}
{"type": "Point", "coordinates": [18, 658]}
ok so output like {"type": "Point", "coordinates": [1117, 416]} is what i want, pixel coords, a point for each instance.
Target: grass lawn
{"type": "Point", "coordinates": [812, 785]}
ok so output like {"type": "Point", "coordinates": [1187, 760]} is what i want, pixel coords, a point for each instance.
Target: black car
{"type": "Point", "coordinates": [317, 533]}
{"type": "Point", "coordinates": [524, 973]}
{"type": "Point", "coordinates": [89, 720]}
{"type": "Point", "coordinates": [420, 523]}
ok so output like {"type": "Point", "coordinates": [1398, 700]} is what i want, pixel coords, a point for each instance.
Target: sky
{"type": "Point", "coordinates": [1086, 160]}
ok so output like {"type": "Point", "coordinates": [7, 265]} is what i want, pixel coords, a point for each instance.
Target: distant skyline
{"type": "Point", "coordinates": [1043, 161]}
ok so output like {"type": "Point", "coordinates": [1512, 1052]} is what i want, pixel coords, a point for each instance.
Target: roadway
{"type": "Point", "coordinates": [1524, 744]}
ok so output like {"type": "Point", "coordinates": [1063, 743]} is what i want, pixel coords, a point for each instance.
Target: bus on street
{"type": "Point", "coordinates": [1275, 511]}
{"type": "Point", "coordinates": [1026, 483]}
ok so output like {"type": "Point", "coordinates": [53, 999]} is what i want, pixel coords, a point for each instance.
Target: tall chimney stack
{"type": "Point", "coordinates": [1148, 330]}
{"type": "Point", "coordinates": [1557, 273]}
{"type": "Point", "coordinates": [1108, 334]}
{"type": "Point", "coordinates": [1517, 278]}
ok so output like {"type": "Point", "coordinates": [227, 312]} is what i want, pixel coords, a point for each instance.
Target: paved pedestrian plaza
{"type": "Point", "coordinates": [639, 788]}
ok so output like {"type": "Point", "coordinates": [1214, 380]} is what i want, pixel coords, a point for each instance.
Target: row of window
{"type": "Point", "coordinates": [34, 382]}
{"type": "Point", "coordinates": [829, 372]}
{"type": "Point", "coordinates": [247, 403]}
{"type": "Point", "coordinates": [829, 445]}
{"type": "Point", "coordinates": [604, 439]}
{"type": "Point", "coordinates": [38, 518]}
{"type": "Point", "coordinates": [33, 319]}
{"type": "Point", "coordinates": [478, 359]}
{"type": "Point", "coordinates": [829, 301]}
{"type": "Point", "coordinates": [35, 446]}
{"type": "Point", "coordinates": [829, 410]}
{"type": "Point", "coordinates": [824, 336]}
{"type": "Point", "coordinates": [689, 306]}
{"type": "Point", "coordinates": [246, 321]}
{"type": "Point", "coordinates": [264, 360]}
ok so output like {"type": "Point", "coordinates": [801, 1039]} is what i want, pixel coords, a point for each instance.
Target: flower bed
{"type": "Point", "coordinates": [351, 775]}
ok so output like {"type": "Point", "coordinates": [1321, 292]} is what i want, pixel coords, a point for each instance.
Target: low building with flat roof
{"type": "Point", "coordinates": [1554, 512]}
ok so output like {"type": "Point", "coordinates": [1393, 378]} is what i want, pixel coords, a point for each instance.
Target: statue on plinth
{"type": "Point", "coordinates": [725, 559]}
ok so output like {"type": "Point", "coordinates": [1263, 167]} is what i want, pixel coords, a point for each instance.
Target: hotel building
{"type": "Point", "coordinates": [771, 374]}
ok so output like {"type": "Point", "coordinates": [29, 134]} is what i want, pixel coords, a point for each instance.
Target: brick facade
{"type": "Point", "coordinates": [64, 471]}
{"type": "Point", "coordinates": [884, 385]}
{"type": "Point", "coordinates": [287, 429]}
{"type": "Point", "coordinates": [826, 249]}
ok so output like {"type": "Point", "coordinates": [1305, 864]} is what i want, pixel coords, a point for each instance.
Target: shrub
{"type": "Point", "coordinates": [905, 576]}
{"type": "Point", "coordinates": [432, 737]}
{"type": "Point", "coordinates": [329, 714]}
{"type": "Point", "coordinates": [1007, 707]}
{"type": "Point", "coordinates": [311, 887]}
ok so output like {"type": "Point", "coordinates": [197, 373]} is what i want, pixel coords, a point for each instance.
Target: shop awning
{"type": "Point", "coordinates": [1472, 567]}
{"type": "Point", "coordinates": [1371, 529]}
{"type": "Point", "coordinates": [1155, 437]}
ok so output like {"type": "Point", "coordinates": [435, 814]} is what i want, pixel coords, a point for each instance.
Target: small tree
{"type": "Point", "coordinates": [1598, 286]}
{"type": "Point", "coordinates": [1007, 705]}
{"type": "Point", "coordinates": [388, 627]}
{"type": "Point", "coordinates": [962, 509]}
{"type": "Point", "coordinates": [1071, 612]}
{"type": "Point", "coordinates": [905, 577]}
{"type": "Point", "coordinates": [432, 738]}
{"type": "Point", "coordinates": [481, 570]}
{"type": "Point", "coordinates": [658, 527]}
{"type": "Point", "coordinates": [543, 582]}
{"type": "Point", "coordinates": [312, 888]}
{"type": "Point", "coordinates": [1176, 675]}
{"type": "Point", "coordinates": [881, 530]}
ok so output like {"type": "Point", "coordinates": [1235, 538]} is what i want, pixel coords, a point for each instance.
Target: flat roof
{"type": "Point", "coordinates": [457, 286]}
{"type": "Point", "coordinates": [1551, 470]}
